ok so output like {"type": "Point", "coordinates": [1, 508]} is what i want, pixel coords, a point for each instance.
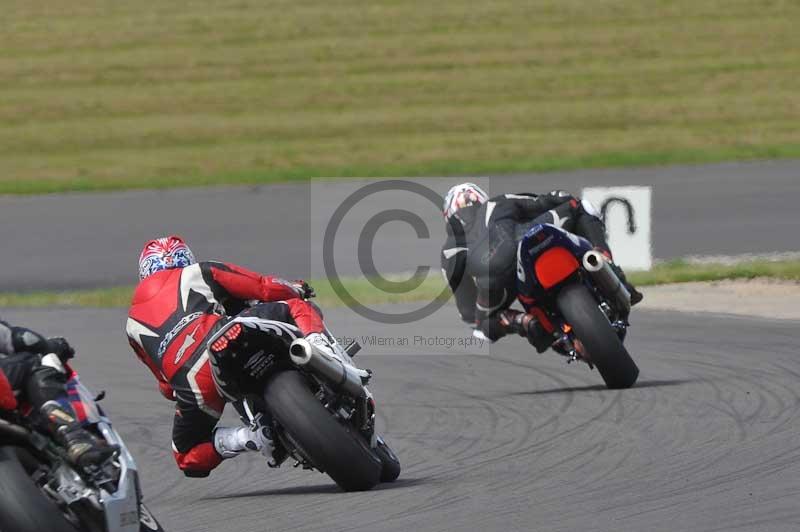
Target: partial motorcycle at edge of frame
{"type": "Point", "coordinates": [40, 490]}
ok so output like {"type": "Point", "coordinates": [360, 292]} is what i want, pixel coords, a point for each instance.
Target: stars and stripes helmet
{"type": "Point", "coordinates": [460, 196]}
{"type": "Point", "coordinates": [163, 254]}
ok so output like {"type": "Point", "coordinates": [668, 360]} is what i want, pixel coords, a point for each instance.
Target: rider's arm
{"type": "Point", "coordinates": [242, 284]}
{"type": "Point", "coordinates": [19, 339]}
{"type": "Point", "coordinates": [589, 225]}
{"type": "Point", "coordinates": [306, 315]}
{"type": "Point", "coordinates": [526, 207]}
{"type": "Point", "coordinates": [587, 220]}
{"type": "Point", "coordinates": [454, 261]}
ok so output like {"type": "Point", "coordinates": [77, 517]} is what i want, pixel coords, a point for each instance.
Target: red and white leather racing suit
{"type": "Point", "coordinates": [173, 314]}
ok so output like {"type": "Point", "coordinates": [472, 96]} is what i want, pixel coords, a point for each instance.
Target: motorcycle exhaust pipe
{"type": "Point", "coordinates": [607, 281]}
{"type": "Point", "coordinates": [340, 376]}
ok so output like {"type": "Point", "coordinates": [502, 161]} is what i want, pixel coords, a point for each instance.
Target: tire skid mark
{"type": "Point", "coordinates": [514, 441]}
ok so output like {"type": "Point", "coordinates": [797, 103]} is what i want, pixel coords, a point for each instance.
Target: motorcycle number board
{"type": "Point", "coordinates": [627, 215]}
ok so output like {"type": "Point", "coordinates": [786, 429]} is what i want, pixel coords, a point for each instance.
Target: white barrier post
{"type": "Point", "coordinates": [627, 214]}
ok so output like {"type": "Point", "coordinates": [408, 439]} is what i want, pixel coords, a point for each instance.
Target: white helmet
{"type": "Point", "coordinates": [463, 195]}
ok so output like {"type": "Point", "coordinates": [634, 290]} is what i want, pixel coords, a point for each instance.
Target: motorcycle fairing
{"type": "Point", "coordinates": [546, 256]}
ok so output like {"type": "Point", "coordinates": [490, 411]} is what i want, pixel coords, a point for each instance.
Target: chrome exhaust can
{"type": "Point", "coordinates": [596, 264]}
{"type": "Point", "coordinates": [339, 375]}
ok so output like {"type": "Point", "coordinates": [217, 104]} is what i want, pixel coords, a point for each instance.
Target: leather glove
{"type": "Point", "coordinates": [303, 289]}
{"type": "Point", "coordinates": [167, 391]}
{"type": "Point", "coordinates": [60, 347]}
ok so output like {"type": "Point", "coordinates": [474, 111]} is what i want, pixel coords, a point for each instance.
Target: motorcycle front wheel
{"type": "Point", "coordinates": [23, 507]}
{"type": "Point", "coordinates": [391, 464]}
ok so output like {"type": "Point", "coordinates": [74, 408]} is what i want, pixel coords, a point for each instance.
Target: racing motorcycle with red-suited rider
{"type": "Point", "coordinates": [214, 333]}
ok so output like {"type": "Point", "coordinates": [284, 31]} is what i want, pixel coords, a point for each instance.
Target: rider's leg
{"type": "Point", "coordinates": [42, 380]}
{"type": "Point", "coordinates": [192, 441]}
{"type": "Point", "coordinates": [495, 319]}
{"type": "Point", "coordinates": [530, 327]}
{"type": "Point", "coordinates": [199, 445]}
{"type": "Point", "coordinates": [495, 294]}
{"type": "Point", "coordinates": [493, 264]}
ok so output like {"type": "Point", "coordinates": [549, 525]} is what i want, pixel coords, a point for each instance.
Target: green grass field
{"type": "Point", "coordinates": [433, 286]}
{"type": "Point", "coordinates": [102, 95]}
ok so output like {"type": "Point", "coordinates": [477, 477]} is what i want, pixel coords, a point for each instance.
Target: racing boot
{"type": "Point", "coordinates": [636, 296]}
{"type": "Point", "coordinates": [232, 441]}
{"type": "Point", "coordinates": [527, 326]}
{"type": "Point", "coordinates": [83, 448]}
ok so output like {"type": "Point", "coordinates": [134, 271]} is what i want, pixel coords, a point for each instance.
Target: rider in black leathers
{"type": "Point", "coordinates": [33, 367]}
{"type": "Point", "coordinates": [479, 254]}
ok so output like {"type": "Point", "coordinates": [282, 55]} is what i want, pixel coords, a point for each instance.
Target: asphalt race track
{"type": "Point", "coordinates": [502, 438]}
{"type": "Point", "coordinates": [90, 240]}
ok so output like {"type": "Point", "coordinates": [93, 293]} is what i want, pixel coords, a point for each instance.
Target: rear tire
{"type": "Point", "coordinates": [23, 507]}
{"type": "Point", "coordinates": [332, 446]}
{"type": "Point", "coordinates": [592, 328]}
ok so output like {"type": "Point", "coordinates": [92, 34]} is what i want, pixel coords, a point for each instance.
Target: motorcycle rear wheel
{"type": "Point", "coordinates": [23, 507]}
{"type": "Point", "coordinates": [333, 447]}
{"type": "Point", "coordinates": [594, 331]}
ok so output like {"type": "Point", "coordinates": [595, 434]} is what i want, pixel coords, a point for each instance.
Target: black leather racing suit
{"type": "Point", "coordinates": [480, 252]}
{"type": "Point", "coordinates": [29, 371]}
{"type": "Point", "coordinates": [35, 368]}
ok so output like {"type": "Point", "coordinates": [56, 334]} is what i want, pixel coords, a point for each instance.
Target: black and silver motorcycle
{"type": "Point", "coordinates": [316, 408]}
{"type": "Point", "coordinates": [40, 491]}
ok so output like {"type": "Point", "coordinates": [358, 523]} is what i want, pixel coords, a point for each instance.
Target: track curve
{"type": "Point", "coordinates": [503, 439]}
{"type": "Point", "coordinates": [741, 208]}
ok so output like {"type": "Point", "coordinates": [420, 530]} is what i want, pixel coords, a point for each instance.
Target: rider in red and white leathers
{"type": "Point", "coordinates": [177, 307]}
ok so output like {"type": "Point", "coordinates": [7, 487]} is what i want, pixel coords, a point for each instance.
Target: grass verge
{"type": "Point", "coordinates": [110, 95]}
{"type": "Point", "coordinates": [365, 292]}
{"type": "Point", "coordinates": [679, 271]}
{"type": "Point", "coordinates": [464, 167]}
